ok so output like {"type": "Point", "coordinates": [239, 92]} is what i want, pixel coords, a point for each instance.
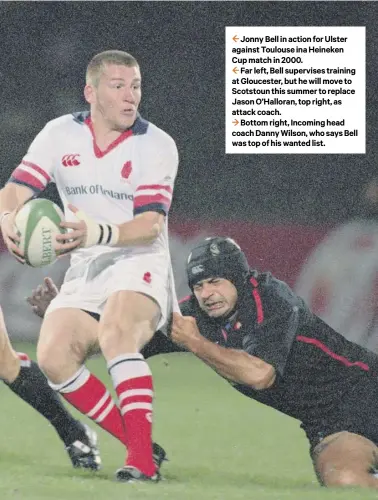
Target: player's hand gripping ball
{"type": "Point", "coordinates": [37, 224]}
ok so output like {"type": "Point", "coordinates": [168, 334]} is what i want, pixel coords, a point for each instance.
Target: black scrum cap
{"type": "Point", "coordinates": [217, 257]}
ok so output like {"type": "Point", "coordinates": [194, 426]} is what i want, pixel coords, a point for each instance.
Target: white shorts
{"type": "Point", "coordinates": [88, 285]}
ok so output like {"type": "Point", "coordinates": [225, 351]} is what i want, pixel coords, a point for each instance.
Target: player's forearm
{"type": "Point", "coordinates": [139, 231]}
{"type": "Point", "coordinates": [12, 195]}
{"type": "Point", "coordinates": [8, 200]}
{"type": "Point", "coordinates": [236, 366]}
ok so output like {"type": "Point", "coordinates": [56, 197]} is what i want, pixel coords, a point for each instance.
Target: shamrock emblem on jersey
{"type": "Point", "coordinates": [147, 278]}
{"type": "Point", "coordinates": [126, 170]}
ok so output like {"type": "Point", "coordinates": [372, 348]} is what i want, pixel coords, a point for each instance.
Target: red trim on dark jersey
{"type": "Point", "coordinates": [254, 282]}
{"type": "Point", "coordinates": [337, 357]}
{"type": "Point", "coordinates": [37, 169]}
{"type": "Point", "coordinates": [256, 296]}
{"type": "Point", "coordinates": [187, 297]}
{"type": "Point", "coordinates": [97, 151]}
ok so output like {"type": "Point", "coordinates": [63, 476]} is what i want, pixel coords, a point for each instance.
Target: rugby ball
{"type": "Point", "coordinates": [37, 224]}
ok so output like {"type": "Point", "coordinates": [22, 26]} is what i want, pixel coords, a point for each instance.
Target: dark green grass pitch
{"type": "Point", "coordinates": [221, 445]}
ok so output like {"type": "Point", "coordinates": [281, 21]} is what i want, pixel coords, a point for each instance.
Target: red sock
{"type": "Point", "coordinates": [132, 380]}
{"type": "Point", "coordinates": [89, 395]}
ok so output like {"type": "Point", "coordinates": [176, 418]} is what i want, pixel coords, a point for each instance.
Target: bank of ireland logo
{"type": "Point", "coordinates": [126, 171]}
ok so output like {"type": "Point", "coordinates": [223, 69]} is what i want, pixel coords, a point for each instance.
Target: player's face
{"type": "Point", "coordinates": [116, 98]}
{"type": "Point", "coordinates": [216, 296]}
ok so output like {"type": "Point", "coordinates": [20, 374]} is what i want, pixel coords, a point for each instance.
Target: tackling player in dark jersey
{"type": "Point", "coordinates": [24, 377]}
{"type": "Point", "coordinates": [254, 331]}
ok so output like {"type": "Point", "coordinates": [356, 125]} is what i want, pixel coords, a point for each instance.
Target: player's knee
{"type": "Point", "coordinates": [115, 336]}
{"type": "Point", "coordinates": [111, 332]}
{"type": "Point", "coordinates": [343, 477]}
{"type": "Point", "coordinates": [48, 363]}
{"type": "Point", "coordinates": [59, 361]}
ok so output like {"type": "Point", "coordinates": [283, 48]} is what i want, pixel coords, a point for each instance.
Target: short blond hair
{"type": "Point", "coordinates": [97, 63]}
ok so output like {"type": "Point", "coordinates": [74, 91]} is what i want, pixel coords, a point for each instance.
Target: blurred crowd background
{"type": "Point", "coordinates": [311, 219]}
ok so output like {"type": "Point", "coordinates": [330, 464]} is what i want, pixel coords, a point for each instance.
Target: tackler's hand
{"type": "Point", "coordinates": [184, 330]}
{"type": "Point", "coordinates": [41, 297]}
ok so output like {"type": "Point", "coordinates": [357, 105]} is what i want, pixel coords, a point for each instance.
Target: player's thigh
{"type": "Point", "coordinates": [67, 334]}
{"type": "Point", "coordinates": [129, 321]}
{"type": "Point", "coordinates": [344, 458]}
{"type": "Point", "coordinates": [160, 344]}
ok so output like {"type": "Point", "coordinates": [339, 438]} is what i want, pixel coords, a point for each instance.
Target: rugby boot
{"type": "Point", "coordinates": [130, 474]}
{"type": "Point", "coordinates": [85, 454]}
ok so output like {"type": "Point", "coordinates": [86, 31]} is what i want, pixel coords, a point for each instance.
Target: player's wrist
{"type": "Point", "coordinates": [98, 233]}
{"type": "Point", "coordinates": [101, 234]}
{"type": "Point", "coordinates": [108, 235]}
{"type": "Point", "coordinates": [195, 344]}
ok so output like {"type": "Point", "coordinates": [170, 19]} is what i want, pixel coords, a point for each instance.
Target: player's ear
{"type": "Point", "coordinates": [89, 94]}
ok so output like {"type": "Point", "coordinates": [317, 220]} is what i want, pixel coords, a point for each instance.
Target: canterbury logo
{"type": "Point", "coordinates": [70, 160]}
{"type": "Point", "coordinates": [197, 269]}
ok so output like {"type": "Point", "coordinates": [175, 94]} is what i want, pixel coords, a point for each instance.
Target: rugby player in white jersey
{"type": "Point", "coordinates": [114, 173]}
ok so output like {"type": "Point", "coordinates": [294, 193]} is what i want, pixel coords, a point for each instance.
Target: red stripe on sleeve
{"type": "Point", "coordinates": [141, 200]}
{"type": "Point", "coordinates": [155, 186]}
{"type": "Point", "coordinates": [28, 179]}
{"type": "Point", "coordinates": [37, 169]}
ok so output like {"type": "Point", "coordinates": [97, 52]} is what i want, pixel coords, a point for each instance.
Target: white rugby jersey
{"type": "Point", "coordinates": [135, 174]}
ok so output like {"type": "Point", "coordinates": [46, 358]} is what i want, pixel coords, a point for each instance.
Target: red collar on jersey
{"type": "Point", "coordinates": [139, 127]}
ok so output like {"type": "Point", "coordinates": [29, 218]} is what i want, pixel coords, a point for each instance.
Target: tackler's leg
{"type": "Point", "coordinates": [24, 377]}
{"type": "Point", "coordinates": [346, 459]}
